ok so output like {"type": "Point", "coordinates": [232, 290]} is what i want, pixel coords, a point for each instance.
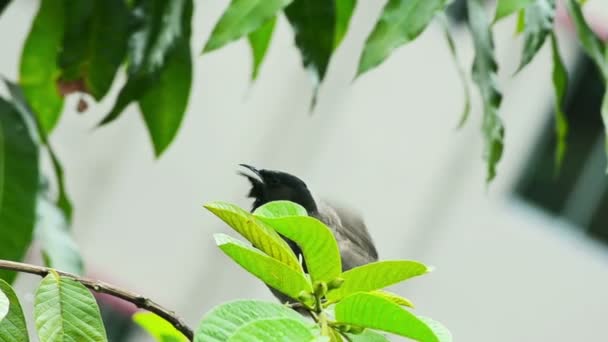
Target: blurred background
{"type": "Point", "coordinates": [523, 259]}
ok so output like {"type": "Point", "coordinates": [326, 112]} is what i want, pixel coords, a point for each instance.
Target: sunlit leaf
{"type": "Point", "coordinates": [271, 271]}
{"type": "Point", "coordinates": [344, 11]}
{"type": "Point", "coordinates": [395, 298]}
{"type": "Point", "coordinates": [369, 311]}
{"type": "Point", "coordinates": [241, 18]}
{"type": "Point", "coordinates": [18, 185]}
{"type": "Point", "coordinates": [276, 209]}
{"type": "Point", "coordinates": [259, 41]}
{"type": "Point", "coordinates": [560, 85]}
{"type": "Point", "coordinates": [65, 310]}
{"type": "Point", "coordinates": [39, 72]}
{"type": "Point", "coordinates": [12, 321]}
{"type": "Point", "coordinates": [259, 234]}
{"type": "Point", "coordinates": [376, 276]}
{"type": "Point", "coordinates": [316, 241]}
{"type": "Point", "coordinates": [274, 329]}
{"type": "Point", "coordinates": [224, 320]}
{"type": "Point", "coordinates": [367, 336]}
{"type": "Point", "coordinates": [505, 8]}
{"type": "Point", "coordinates": [521, 22]}
{"type": "Point", "coordinates": [484, 75]}
{"type": "Point", "coordinates": [161, 330]}
{"type": "Point", "coordinates": [401, 22]}
{"type": "Point", "coordinates": [538, 25]}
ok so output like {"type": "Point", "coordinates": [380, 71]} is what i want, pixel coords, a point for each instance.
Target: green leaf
{"type": "Point", "coordinates": [369, 311]}
{"type": "Point", "coordinates": [255, 231]}
{"type": "Point", "coordinates": [393, 298]}
{"type": "Point", "coordinates": [367, 336]}
{"type": "Point", "coordinates": [442, 333]}
{"type": "Point", "coordinates": [505, 8]}
{"type": "Point", "coordinates": [314, 25]}
{"type": "Point", "coordinates": [161, 330]}
{"type": "Point", "coordinates": [560, 84]}
{"type": "Point", "coordinates": [65, 310]}
{"type": "Point", "coordinates": [538, 25]}
{"type": "Point", "coordinates": [12, 323]}
{"type": "Point", "coordinates": [38, 72]}
{"type": "Point", "coordinates": [344, 11]}
{"type": "Point", "coordinates": [59, 249]}
{"type": "Point", "coordinates": [271, 271]}
{"type": "Point", "coordinates": [18, 186]}
{"type": "Point", "coordinates": [317, 242]}
{"type": "Point", "coordinates": [375, 276]}
{"type": "Point", "coordinates": [164, 104]}
{"type": "Point", "coordinates": [241, 18]}
{"type": "Point", "coordinates": [274, 329]}
{"type": "Point", "coordinates": [400, 23]}
{"type": "Point", "coordinates": [259, 41]}
{"type": "Point", "coordinates": [224, 320]}
{"type": "Point", "coordinates": [276, 209]}
{"type": "Point", "coordinates": [605, 116]}
{"type": "Point", "coordinates": [521, 22]}
{"type": "Point", "coordinates": [484, 75]}
{"type": "Point", "coordinates": [163, 28]}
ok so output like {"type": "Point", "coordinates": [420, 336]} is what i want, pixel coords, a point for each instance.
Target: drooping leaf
{"type": "Point", "coordinates": [442, 333]}
{"type": "Point", "coordinates": [521, 22]}
{"type": "Point", "coordinates": [316, 241]}
{"type": "Point", "coordinates": [39, 72]}
{"type": "Point", "coordinates": [400, 23]}
{"type": "Point", "coordinates": [505, 8]}
{"type": "Point", "coordinates": [344, 11]}
{"type": "Point", "coordinates": [271, 271]}
{"type": "Point", "coordinates": [59, 249]}
{"type": "Point", "coordinates": [560, 84]}
{"type": "Point", "coordinates": [539, 24]}
{"type": "Point", "coordinates": [224, 320]}
{"type": "Point", "coordinates": [484, 75]}
{"type": "Point", "coordinates": [241, 18]}
{"type": "Point", "coordinates": [18, 186]}
{"type": "Point", "coordinates": [12, 323]}
{"type": "Point", "coordinates": [369, 311]}
{"type": "Point", "coordinates": [161, 330]}
{"type": "Point", "coordinates": [259, 234]}
{"type": "Point", "coordinates": [65, 310]}
{"type": "Point", "coordinates": [276, 209]}
{"type": "Point", "coordinates": [376, 276]}
{"type": "Point", "coordinates": [367, 336]}
{"type": "Point", "coordinates": [395, 298]}
{"type": "Point", "coordinates": [466, 110]}
{"type": "Point", "coordinates": [274, 329]}
{"type": "Point", "coordinates": [259, 41]}
{"type": "Point", "coordinates": [3, 4]}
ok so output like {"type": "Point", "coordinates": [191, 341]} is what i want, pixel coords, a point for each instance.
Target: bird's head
{"type": "Point", "coordinates": [268, 186]}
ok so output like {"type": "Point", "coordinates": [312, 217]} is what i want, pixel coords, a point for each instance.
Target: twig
{"type": "Point", "coordinates": [102, 287]}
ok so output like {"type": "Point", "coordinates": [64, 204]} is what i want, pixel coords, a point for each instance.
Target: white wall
{"type": "Point", "coordinates": [386, 144]}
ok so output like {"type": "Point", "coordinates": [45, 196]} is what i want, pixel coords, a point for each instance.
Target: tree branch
{"type": "Point", "coordinates": [101, 287]}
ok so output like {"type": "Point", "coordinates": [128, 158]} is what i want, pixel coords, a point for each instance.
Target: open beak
{"type": "Point", "coordinates": [254, 177]}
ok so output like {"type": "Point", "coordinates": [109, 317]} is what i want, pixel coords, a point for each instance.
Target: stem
{"type": "Point", "coordinates": [101, 287]}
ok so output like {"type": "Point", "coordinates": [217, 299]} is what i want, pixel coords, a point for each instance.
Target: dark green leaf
{"type": "Point", "coordinates": [12, 325]}
{"type": "Point", "coordinates": [539, 24]}
{"type": "Point", "coordinates": [161, 330]}
{"type": "Point", "coordinates": [18, 185]}
{"type": "Point", "coordinates": [241, 18]}
{"type": "Point", "coordinates": [3, 4]}
{"type": "Point", "coordinates": [255, 231]}
{"type": "Point", "coordinates": [376, 276]}
{"type": "Point", "coordinates": [65, 310]}
{"type": "Point", "coordinates": [259, 41]}
{"type": "Point", "coordinates": [275, 329]}
{"type": "Point", "coordinates": [400, 23]}
{"type": "Point", "coordinates": [38, 71]}
{"type": "Point", "coordinates": [505, 8]}
{"type": "Point", "coordinates": [605, 116]}
{"type": "Point", "coordinates": [344, 11]}
{"type": "Point", "coordinates": [369, 311]}
{"type": "Point", "coordinates": [484, 75]}
{"type": "Point", "coordinates": [271, 271]}
{"type": "Point", "coordinates": [223, 321]}
{"type": "Point", "coordinates": [591, 43]}
{"type": "Point", "coordinates": [560, 84]}
{"type": "Point", "coordinates": [164, 104]}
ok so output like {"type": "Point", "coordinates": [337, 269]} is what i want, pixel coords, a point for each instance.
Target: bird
{"type": "Point", "coordinates": [348, 227]}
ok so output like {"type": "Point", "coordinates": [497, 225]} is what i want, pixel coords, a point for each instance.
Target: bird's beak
{"type": "Point", "coordinates": [254, 177]}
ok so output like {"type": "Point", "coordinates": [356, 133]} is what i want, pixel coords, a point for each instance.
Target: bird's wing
{"type": "Point", "coordinates": [356, 245]}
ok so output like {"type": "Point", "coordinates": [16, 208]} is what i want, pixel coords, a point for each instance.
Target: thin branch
{"type": "Point", "coordinates": [102, 287]}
